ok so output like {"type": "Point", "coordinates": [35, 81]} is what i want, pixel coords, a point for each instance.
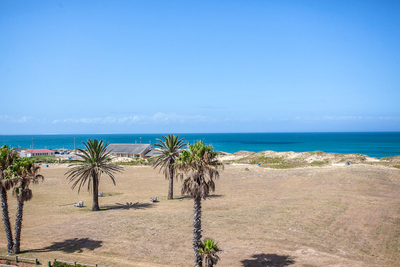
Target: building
{"type": "Point", "coordinates": [36, 152]}
{"type": "Point", "coordinates": [130, 150]}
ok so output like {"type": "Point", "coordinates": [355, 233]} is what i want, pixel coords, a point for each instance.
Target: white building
{"type": "Point", "coordinates": [36, 152]}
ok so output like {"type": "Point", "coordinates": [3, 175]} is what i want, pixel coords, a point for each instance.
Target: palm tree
{"type": "Point", "coordinates": [168, 151]}
{"type": "Point", "coordinates": [26, 172]}
{"type": "Point", "coordinates": [200, 164]}
{"type": "Point", "coordinates": [209, 249]}
{"type": "Point", "coordinates": [95, 161]}
{"type": "Point", "coordinates": [7, 157]}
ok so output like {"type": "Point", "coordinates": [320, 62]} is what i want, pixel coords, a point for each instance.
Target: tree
{"type": "Point", "coordinates": [7, 157]}
{"type": "Point", "coordinates": [25, 172]}
{"type": "Point", "coordinates": [95, 160]}
{"type": "Point", "coordinates": [168, 151]}
{"type": "Point", "coordinates": [209, 249]}
{"type": "Point", "coordinates": [200, 165]}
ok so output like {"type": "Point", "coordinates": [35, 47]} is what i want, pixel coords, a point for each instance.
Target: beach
{"type": "Point", "coordinates": [331, 215]}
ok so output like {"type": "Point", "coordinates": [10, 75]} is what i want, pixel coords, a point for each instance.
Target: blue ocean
{"type": "Point", "coordinates": [372, 144]}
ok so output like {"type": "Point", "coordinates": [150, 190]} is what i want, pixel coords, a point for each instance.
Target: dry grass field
{"type": "Point", "coordinates": [314, 216]}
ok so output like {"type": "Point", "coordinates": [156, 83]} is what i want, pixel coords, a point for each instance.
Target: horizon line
{"type": "Point", "coordinates": [176, 133]}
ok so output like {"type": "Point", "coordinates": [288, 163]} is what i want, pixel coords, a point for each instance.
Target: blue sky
{"type": "Point", "coordinates": [199, 66]}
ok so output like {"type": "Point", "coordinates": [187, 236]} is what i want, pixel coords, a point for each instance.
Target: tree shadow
{"type": "Point", "coordinates": [189, 197]}
{"type": "Point", "coordinates": [215, 196]}
{"type": "Point", "coordinates": [127, 206]}
{"type": "Point", "coordinates": [71, 245]}
{"type": "Point", "coordinates": [269, 260]}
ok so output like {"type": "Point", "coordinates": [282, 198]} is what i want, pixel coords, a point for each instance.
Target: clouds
{"type": "Point", "coordinates": [23, 119]}
{"type": "Point", "coordinates": [166, 118]}
{"type": "Point", "coordinates": [161, 122]}
{"type": "Point", "coordinates": [157, 118]}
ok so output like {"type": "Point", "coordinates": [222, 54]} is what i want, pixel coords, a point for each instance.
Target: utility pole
{"type": "Point", "coordinates": [74, 143]}
{"type": "Point", "coordinates": [32, 144]}
{"type": "Point", "coordinates": [140, 139]}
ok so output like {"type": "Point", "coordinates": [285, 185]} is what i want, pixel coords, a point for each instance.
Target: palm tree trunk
{"type": "Point", "coordinates": [95, 206]}
{"type": "Point", "coordinates": [18, 227]}
{"type": "Point", "coordinates": [171, 184]}
{"type": "Point", "coordinates": [197, 231]}
{"type": "Point", "coordinates": [6, 219]}
{"type": "Point", "coordinates": [208, 262]}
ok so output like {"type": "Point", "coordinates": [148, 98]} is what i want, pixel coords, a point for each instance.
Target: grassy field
{"type": "Point", "coordinates": [320, 216]}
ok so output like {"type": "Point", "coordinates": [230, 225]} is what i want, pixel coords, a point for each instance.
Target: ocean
{"type": "Point", "coordinates": [376, 144]}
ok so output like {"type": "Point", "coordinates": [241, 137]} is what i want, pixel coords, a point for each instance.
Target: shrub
{"type": "Point", "coordinates": [266, 160]}
{"type": "Point", "coordinates": [44, 159]}
{"type": "Point", "coordinates": [318, 163]}
{"type": "Point", "coordinates": [63, 264]}
{"type": "Point", "coordinates": [60, 264]}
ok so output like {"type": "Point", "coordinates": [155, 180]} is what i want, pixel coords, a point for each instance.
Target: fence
{"type": "Point", "coordinates": [19, 259]}
{"type": "Point", "coordinates": [36, 262]}
{"type": "Point", "coordinates": [74, 263]}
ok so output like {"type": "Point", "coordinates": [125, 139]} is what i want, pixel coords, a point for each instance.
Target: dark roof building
{"type": "Point", "coordinates": [129, 150]}
{"type": "Point", "coordinates": [152, 153]}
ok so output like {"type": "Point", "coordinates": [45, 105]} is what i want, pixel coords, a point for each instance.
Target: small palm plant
{"type": "Point", "coordinates": [209, 250]}
{"type": "Point", "coordinates": [200, 164]}
{"type": "Point", "coordinates": [168, 151]}
{"type": "Point", "coordinates": [7, 158]}
{"type": "Point", "coordinates": [26, 172]}
{"type": "Point", "coordinates": [95, 161]}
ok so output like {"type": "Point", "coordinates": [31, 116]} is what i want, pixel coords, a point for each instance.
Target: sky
{"type": "Point", "coordinates": [81, 67]}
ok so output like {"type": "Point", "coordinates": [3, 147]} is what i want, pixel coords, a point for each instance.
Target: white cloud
{"type": "Point", "coordinates": [167, 118]}
{"type": "Point", "coordinates": [23, 119]}
{"type": "Point", "coordinates": [158, 118]}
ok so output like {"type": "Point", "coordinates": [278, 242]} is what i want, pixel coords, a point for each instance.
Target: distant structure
{"type": "Point", "coordinates": [131, 150]}
{"type": "Point", "coordinates": [36, 152]}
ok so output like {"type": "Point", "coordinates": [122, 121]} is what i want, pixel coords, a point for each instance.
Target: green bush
{"type": "Point", "coordinates": [318, 163]}
{"type": "Point", "coordinates": [133, 162]}
{"type": "Point", "coordinates": [266, 160]}
{"type": "Point", "coordinates": [62, 264]}
{"type": "Point", "coordinates": [44, 159]}
{"type": "Point", "coordinates": [282, 166]}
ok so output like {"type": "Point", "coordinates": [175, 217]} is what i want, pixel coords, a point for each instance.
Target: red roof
{"type": "Point", "coordinates": [45, 150]}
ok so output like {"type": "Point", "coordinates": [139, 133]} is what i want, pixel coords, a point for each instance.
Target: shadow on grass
{"type": "Point", "coordinates": [270, 260]}
{"type": "Point", "coordinates": [127, 206]}
{"type": "Point", "coordinates": [189, 197]}
{"type": "Point", "coordinates": [70, 246]}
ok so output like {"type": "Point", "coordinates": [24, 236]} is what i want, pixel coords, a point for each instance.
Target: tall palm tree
{"type": "Point", "coordinates": [200, 165]}
{"type": "Point", "coordinates": [26, 172]}
{"type": "Point", "coordinates": [168, 151]}
{"type": "Point", "coordinates": [209, 250]}
{"type": "Point", "coordinates": [95, 160]}
{"type": "Point", "coordinates": [7, 157]}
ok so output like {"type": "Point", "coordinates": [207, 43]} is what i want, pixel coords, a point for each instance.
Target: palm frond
{"type": "Point", "coordinates": [200, 164]}
{"type": "Point", "coordinates": [168, 151]}
{"type": "Point", "coordinates": [95, 160]}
